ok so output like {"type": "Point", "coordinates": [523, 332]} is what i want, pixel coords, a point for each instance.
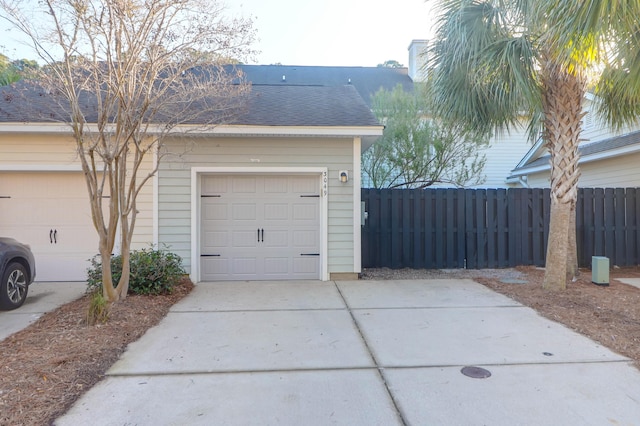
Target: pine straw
{"type": "Point", "coordinates": [46, 367]}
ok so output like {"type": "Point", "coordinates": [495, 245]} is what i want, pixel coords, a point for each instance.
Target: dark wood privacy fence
{"type": "Point", "coordinates": [492, 228]}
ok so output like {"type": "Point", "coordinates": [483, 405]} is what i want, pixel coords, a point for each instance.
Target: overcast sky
{"type": "Point", "coordinates": [318, 32]}
{"type": "Point", "coordinates": [335, 32]}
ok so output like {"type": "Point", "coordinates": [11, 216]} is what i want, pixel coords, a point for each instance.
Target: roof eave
{"type": "Point", "coordinates": [220, 130]}
{"type": "Point", "coordinates": [602, 155]}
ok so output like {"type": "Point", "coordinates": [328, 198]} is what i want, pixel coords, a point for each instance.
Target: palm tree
{"type": "Point", "coordinates": [496, 62]}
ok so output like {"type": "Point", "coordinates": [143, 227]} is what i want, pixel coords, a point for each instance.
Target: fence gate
{"type": "Point", "coordinates": [492, 228]}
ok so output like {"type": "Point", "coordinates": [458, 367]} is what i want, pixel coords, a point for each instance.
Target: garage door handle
{"type": "Point", "coordinates": [55, 236]}
{"type": "Point", "coordinates": [50, 236]}
{"type": "Point", "coordinates": [262, 230]}
{"type": "Point", "coordinates": [260, 237]}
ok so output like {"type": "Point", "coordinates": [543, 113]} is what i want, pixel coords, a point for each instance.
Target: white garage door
{"type": "Point", "coordinates": [50, 212]}
{"type": "Point", "coordinates": [260, 227]}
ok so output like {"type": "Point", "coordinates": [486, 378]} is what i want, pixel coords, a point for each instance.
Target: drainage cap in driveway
{"type": "Point", "coordinates": [476, 372]}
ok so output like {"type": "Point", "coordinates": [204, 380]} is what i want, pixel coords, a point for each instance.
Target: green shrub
{"type": "Point", "coordinates": [152, 271]}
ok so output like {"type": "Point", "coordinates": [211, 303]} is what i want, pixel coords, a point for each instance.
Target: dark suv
{"type": "Point", "coordinates": [17, 271]}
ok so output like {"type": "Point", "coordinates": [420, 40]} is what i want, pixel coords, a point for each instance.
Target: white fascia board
{"type": "Point", "coordinates": [528, 171]}
{"type": "Point", "coordinates": [534, 151]}
{"type": "Point", "coordinates": [35, 128]}
{"type": "Point", "coordinates": [40, 168]}
{"type": "Point", "coordinates": [220, 130]}
{"type": "Point", "coordinates": [232, 130]}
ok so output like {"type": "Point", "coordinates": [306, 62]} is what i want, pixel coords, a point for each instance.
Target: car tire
{"type": "Point", "coordinates": [14, 287]}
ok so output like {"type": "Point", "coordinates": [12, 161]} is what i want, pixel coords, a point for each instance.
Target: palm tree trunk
{"type": "Point", "coordinates": [572, 247]}
{"type": "Point", "coordinates": [563, 95]}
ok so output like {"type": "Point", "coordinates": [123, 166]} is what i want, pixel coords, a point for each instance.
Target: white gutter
{"type": "Point", "coordinates": [221, 130]}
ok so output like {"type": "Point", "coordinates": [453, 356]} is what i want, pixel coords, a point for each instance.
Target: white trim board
{"type": "Point", "coordinates": [357, 207]}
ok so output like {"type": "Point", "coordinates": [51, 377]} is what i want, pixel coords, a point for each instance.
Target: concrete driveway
{"type": "Point", "coordinates": [360, 353]}
{"type": "Point", "coordinates": [42, 297]}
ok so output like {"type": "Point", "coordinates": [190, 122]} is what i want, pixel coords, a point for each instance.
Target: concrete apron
{"type": "Point", "coordinates": [360, 353]}
{"type": "Point", "coordinates": [41, 298]}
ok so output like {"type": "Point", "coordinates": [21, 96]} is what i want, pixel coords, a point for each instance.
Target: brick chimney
{"type": "Point", "coordinates": [417, 60]}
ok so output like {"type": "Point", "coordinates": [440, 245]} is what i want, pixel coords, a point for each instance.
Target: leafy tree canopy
{"type": "Point", "coordinates": [12, 71]}
{"type": "Point", "coordinates": [417, 151]}
{"type": "Point", "coordinates": [391, 63]}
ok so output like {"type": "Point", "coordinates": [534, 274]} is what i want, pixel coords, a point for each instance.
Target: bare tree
{"type": "Point", "coordinates": [125, 75]}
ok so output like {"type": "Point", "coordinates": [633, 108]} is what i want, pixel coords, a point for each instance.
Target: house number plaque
{"type": "Point", "coordinates": [324, 184]}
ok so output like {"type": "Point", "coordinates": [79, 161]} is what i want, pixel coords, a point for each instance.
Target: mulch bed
{"type": "Point", "coordinates": [46, 367]}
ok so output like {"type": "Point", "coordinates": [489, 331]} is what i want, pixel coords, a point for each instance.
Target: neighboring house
{"type": "Point", "coordinates": [608, 159]}
{"type": "Point", "coordinates": [503, 154]}
{"type": "Point", "coordinates": [505, 150]}
{"type": "Point", "coordinates": [259, 198]}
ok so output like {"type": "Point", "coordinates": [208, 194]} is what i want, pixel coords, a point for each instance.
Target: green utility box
{"type": "Point", "coordinates": [600, 270]}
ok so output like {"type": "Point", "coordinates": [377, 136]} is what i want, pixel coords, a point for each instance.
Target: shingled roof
{"type": "Point", "coordinates": [306, 106]}
{"type": "Point", "coordinates": [308, 100]}
{"type": "Point", "coordinates": [366, 80]}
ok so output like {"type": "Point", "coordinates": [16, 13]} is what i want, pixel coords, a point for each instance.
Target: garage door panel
{"type": "Point", "coordinates": [305, 185]}
{"type": "Point", "coordinates": [305, 212]}
{"type": "Point", "coordinates": [270, 222]}
{"type": "Point", "coordinates": [276, 211]}
{"type": "Point", "coordinates": [215, 267]}
{"type": "Point", "coordinates": [214, 239]}
{"type": "Point", "coordinates": [276, 238]}
{"type": "Point", "coordinates": [244, 239]}
{"type": "Point", "coordinates": [212, 210]}
{"type": "Point", "coordinates": [276, 265]}
{"type": "Point", "coordinates": [306, 265]}
{"type": "Point", "coordinates": [244, 211]}
{"type": "Point", "coordinates": [305, 239]}
{"type": "Point", "coordinates": [244, 185]}
{"type": "Point", "coordinates": [215, 185]}
{"type": "Point", "coordinates": [50, 211]}
{"type": "Point", "coordinates": [276, 185]}
{"type": "Point", "coordinates": [243, 266]}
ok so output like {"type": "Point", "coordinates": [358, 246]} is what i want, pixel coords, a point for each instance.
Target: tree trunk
{"type": "Point", "coordinates": [108, 291]}
{"type": "Point", "coordinates": [572, 246]}
{"type": "Point", "coordinates": [555, 277]}
{"type": "Point", "coordinates": [562, 103]}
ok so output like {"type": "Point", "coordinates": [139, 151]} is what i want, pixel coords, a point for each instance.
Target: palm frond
{"type": "Point", "coordinates": [482, 65]}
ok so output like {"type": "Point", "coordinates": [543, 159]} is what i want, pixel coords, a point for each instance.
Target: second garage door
{"type": "Point", "coordinates": [50, 212]}
{"type": "Point", "coordinates": [260, 227]}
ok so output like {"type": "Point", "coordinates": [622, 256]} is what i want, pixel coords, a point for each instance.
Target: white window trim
{"type": "Point", "coordinates": [197, 172]}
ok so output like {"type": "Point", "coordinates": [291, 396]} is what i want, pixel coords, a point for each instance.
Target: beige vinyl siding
{"type": "Point", "coordinates": [48, 152]}
{"type": "Point", "coordinates": [37, 150]}
{"type": "Point", "coordinates": [618, 172]}
{"type": "Point", "coordinates": [174, 189]}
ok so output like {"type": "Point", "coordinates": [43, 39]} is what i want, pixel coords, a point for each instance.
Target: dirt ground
{"type": "Point", "coordinates": [49, 365]}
